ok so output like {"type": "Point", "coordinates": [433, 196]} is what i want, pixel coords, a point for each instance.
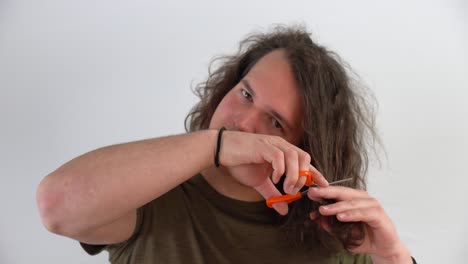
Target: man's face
{"type": "Point", "coordinates": [265, 101]}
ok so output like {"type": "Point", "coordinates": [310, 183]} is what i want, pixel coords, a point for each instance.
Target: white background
{"type": "Point", "coordinates": [78, 75]}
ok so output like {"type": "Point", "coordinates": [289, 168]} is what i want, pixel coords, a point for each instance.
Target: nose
{"type": "Point", "coordinates": [248, 122]}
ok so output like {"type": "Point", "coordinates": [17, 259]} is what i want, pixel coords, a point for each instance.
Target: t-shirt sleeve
{"type": "Point", "coordinates": [96, 249]}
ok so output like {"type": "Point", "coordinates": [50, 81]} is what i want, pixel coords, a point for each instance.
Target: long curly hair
{"type": "Point", "coordinates": [339, 123]}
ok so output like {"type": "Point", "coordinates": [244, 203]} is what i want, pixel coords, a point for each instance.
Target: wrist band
{"type": "Point", "coordinates": [414, 261]}
{"type": "Point", "coordinates": [218, 146]}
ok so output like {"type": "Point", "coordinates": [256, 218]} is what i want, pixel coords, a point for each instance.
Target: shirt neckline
{"type": "Point", "coordinates": [250, 211]}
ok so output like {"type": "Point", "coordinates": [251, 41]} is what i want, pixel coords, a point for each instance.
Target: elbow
{"type": "Point", "coordinates": [50, 203]}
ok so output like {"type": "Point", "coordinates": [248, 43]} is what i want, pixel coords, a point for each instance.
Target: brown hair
{"type": "Point", "coordinates": [338, 120]}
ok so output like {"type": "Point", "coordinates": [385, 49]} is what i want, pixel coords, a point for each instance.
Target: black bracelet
{"type": "Point", "coordinates": [218, 146]}
{"type": "Point", "coordinates": [414, 261]}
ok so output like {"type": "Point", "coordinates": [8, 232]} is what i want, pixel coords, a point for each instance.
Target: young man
{"type": "Point", "coordinates": [287, 105]}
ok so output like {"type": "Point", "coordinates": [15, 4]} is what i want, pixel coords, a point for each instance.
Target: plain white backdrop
{"type": "Point", "coordinates": [79, 75]}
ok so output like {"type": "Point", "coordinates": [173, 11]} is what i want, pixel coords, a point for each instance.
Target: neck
{"type": "Point", "coordinates": [225, 184]}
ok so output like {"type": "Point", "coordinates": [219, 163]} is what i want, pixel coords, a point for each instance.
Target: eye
{"type": "Point", "coordinates": [276, 124]}
{"type": "Point", "coordinates": [246, 95]}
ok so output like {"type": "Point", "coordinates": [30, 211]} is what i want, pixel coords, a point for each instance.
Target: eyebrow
{"type": "Point", "coordinates": [270, 110]}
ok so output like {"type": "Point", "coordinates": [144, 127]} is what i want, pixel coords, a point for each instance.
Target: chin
{"type": "Point", "coordinates": [250, 175]}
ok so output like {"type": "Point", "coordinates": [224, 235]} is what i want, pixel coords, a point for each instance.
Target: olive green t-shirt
{"type": "Point", "coordinates": [193, 223]}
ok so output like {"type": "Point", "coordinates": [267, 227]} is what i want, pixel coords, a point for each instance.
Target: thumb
{"type": "Point", "coordinates": [269, 190]}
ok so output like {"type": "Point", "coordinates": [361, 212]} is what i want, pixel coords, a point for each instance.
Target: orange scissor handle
{"type": "Point", "coordinates": [307, 174]}
{"type": "Point", "coordinates": [288, 197]}
{"type": "Point", "coordinates": [283, 198]}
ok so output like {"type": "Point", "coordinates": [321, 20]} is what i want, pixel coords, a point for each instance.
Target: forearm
{"type": "Point", "coordinates": [102, 185]}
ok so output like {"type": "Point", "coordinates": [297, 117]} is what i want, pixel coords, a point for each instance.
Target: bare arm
{"type": "Point", "coordinates": [93, 198]}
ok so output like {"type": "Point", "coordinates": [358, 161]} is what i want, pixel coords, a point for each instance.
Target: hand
{"type": "Point", "coordinates": [381, 240]}
{"type": "Point", "coordinates": [259, 161]}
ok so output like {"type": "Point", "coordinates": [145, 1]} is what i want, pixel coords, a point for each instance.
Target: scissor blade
{"type": "Point", "coordinates": [340, 181]}
{"type": "Point", "coordinates": [303, 193]}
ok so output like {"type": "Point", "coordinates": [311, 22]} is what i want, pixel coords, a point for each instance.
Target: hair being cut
{"type": "Point", "coordinates": [338, 121]}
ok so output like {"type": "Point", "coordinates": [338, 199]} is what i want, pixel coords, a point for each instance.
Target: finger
{"type": "Point", "coordinates": [304, 163]}
{"type": "Point", "coordinates": [313, 215]}
{"type": "Point", "coordinates": [318, 178]}
{"type": "Point", "coordinates": [324, 223]}
{"type": "Point", "coordinates": [291, 162]}
{"type": "Point", "coordinates": [275, 157]}
{"type": "Point", "coordinates": [338, 193]}
{"type": "Point", "coordinates": [268, 190]}
{"type": "Point", "coordinates": [366, 210]}
{"type": "Point", "coordinates": [292, 172]}
{"type": "Point", "coordinates": [300, 183]}
{"type": "Point", "coordinates": [348, 205]}
{"type": "Point", "coordinates": [281, 208]}
{"type": "Point", "coordinates": [371, 216]}
{"type": "Point", "coordinates": [316, 199]}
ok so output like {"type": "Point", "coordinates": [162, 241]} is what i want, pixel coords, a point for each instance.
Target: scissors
{"type": "Point", "coordinates": [291, 198]}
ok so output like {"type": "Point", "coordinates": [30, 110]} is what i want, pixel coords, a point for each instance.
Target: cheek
{"type": "Point", "coordinates": [222, 114]}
